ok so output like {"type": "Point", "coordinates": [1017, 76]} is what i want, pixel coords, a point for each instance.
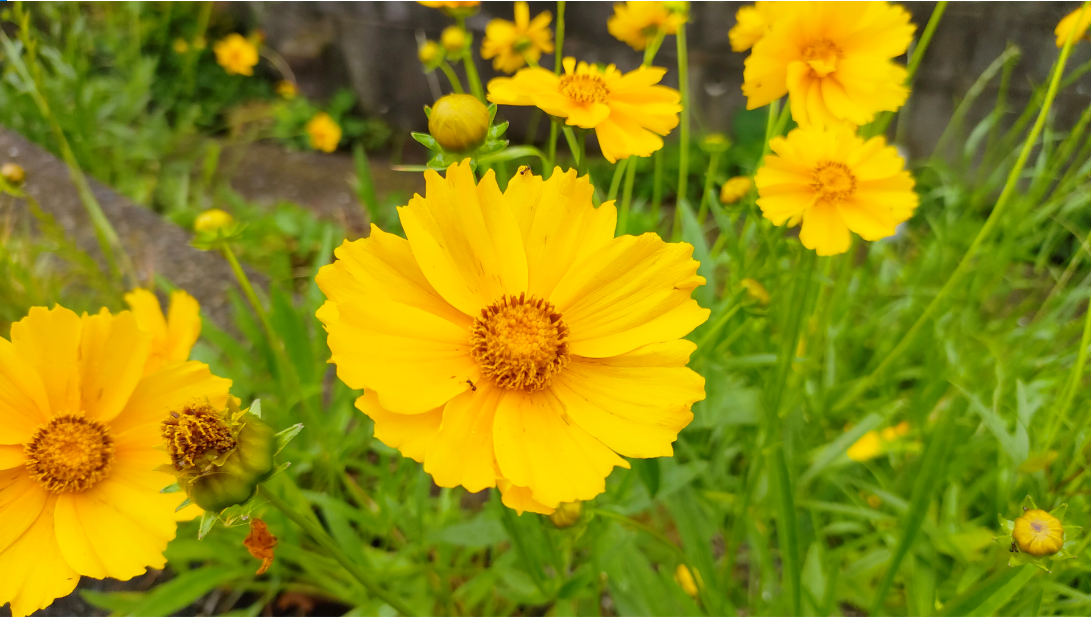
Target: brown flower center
{"type": "Point", "coordinates": [70, 454]}
{"type": "Point", "coordinates": [520, 342]}
{"type": "Point", "coordinates": [584, 88]}
{"type": "Point", "coordinates": [833, 181]}
{"type": "Point", "coordinates": [822, 56]}
{"type": "Point", "coordinates": [196, 435]}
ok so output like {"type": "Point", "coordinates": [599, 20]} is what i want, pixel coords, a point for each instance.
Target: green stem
{"type": "Point", "coordinates": [615, 182]}
{"type": "Point", "coordinates": [710, 175]}
{"type": "Point", "coordinates": [1073, 384]}
{"type": "Point", "coordinates": [683, 131]}
{"type": "Point", "coordinates": [554, 126]}
{"type": "Point", "coordinates": [657, 187]}
{"type": "Point", "coordinates": [653, 48]}
{"type": "Point", "coordinates": [328, 544]}
{"type": "Point", "coordinates": [966, 263]}
{"type": "Point", "coordinates": [248, 291]}
{"type": "Point", "coordinates": [456, 83]}
{"type": "Point", "coordinates": [880, 125]}
{"type": "Point", "coordinates": [627, 196]}
{"type": "Point", "coordinates": [770, 128]}
{"type": "Point", "coordinates": [632, 523]}
{"type": "Point", "coordinates": [473, 78]}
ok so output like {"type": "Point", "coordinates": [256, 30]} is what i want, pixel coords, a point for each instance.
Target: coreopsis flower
{"type": "Point", "coordinates": [510, 44]}
{"type": "Point", "coordinates": [735, 189]}
{"type": "Point", "coordinates": [236, 54]}
{"type": "Point", "coordinates": [751, 24]}
{"type": "Point", "coordinates": [1078, 20]}
{"type": "Point", "coordinates": [833, 60]}
{"type": "Point", "coordinates": [638, 23]}
{"type": "Point", "coordinates": [1038, 533]}
{"type": "Point", "coordinates": [833, 182]}
{"type": "Point", "coordinates": [459, 122]}
{"type": "Point", "coordinates": [512, 341]}
{"type": "Point", "coordinates": [173, 335]}
{"type": "Point", "coordinates": [79, 448]}
{"type": "Point", "coordinates": [628, 112]}
{"type": "Point", "coordinates": [323, 132]}
{"type": "Point", "coordinates": [454, 8]}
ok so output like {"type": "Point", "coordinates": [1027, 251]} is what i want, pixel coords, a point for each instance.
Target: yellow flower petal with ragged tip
{"type": "Point", "coordinates": [512, 341]}
{"type": "Point", "coordinates": [173, 335]}
{"type": "Point", "coordinates": [84, 497]}
{"type": "Point", "coordinates": [833, 182]}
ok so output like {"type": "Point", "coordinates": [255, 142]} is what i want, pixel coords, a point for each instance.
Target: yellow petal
{"type": "Point", "coordinates": [48, 340]}
{"type": "Point", "coordinates": [635, 403]}
{"type": "Point", "coordinates": [538, 447]}
{"type": "Point", "coordinates": [113, 352]}
{"type": "Point", "coordinates": [155, 396]}
{"type": "Point", "coordinates": [632, 292]}
{"type": "Point", "coordinates": [411, 434]}
{"type": "Point", "coordinates": [560, 225]}
{"type": "Point", "coordinates": [413, 360]}
{"type": "Point", "coordinates": [520, 498]}
{"type": "Point", "coordinates": [183, 326]}
{"type": "Point", "coordinates": [466, 239]}
{"type": "Point", "coordinates": [11, 456]}
{"type": "Point", "coordinates": [21, 502]}
{"type": "Point", "coordinates": [462, 453]}
{"type": "Point", "coordinates": [34, 571]}
{"type": "Point", "coordinates": [824, 230]}
{"type": "Point", "coordinates": [24, 405]}
{"type": "Point", "coordinates": [871, 221]}
{"type": "Point", "coordinates": [148, 313]}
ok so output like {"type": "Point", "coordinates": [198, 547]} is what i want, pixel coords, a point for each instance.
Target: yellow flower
{"type": "Point", "coordinates": [874, 443]}
{"type": "Point", "coordinates": [833, 60]}
{"type": "Point", "coordinates": [751, 24]}
{"type": "Point", "coordinates": [512, 341]}
{"type": "Point", "coordinates": [1038, 533]}
{"type": "Point", "coordinates": [567, 514]}
{"type": "Point", "coordinates": [510, 44]}
{"type": "Point", "coordinates": [79, 448]}
{"type": "Point", "coordinates": [429, 53]}
{"type": "Point", "coordinates": [833, 182]}
{"type": "Point", "coordinates": [211, 220]}
{"type": "Point", "coordinates": [453, 39]}
{"type": "Point", "coordinates": [685, 579]}
{"type": "Point", "coordinates": [735, 189]}
{"type": "Point", "coordinates": [173, 335]}
{"type": "Point", "coordinates": [1078, 20]}
{"type": "Point", "coordinates": [454, 8]}
{"type": "Point", "coordinates": [459, 122]}
{"type": "Point", "coordinates": [287, 89]}
{"type": "Point", "coordinates": [180, 46]}
{"type": "Point", "coordinates": [638, 23]}
{"type": "Point", "coordinates": [323, 132]}
{"type": "Point", "coordinates": [628, 112]}
{"type": "Point", "coordinates": [236, 54]}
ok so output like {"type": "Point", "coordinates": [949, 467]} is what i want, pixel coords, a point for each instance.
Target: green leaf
{"type": "Point", "coordinates": [208, 519]}
{"type": "Point", "coordinates": [426, 140]}
{"type": "Point", "coordinates": [479, 532]}
{"type": "Point", "coordinates": [172, 596]}
{"type": "Point", "coordinates": [255, 408]}
{"type": "Point", "coordinates": [648, 471]}
{"type": "Point", "coordinates": [693, 233]}
{"type": "Point", "coordinates": [173, 488]}
{"type": "Point", "coordinates": [286, 436]}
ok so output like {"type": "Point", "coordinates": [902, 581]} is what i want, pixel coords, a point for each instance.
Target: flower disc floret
{"type": "Point", "coordinates": [520, 343]}
{"type": "Point", "coordinates": [70, 453]}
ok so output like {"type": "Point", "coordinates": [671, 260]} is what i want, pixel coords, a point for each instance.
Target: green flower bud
{"type": "Point", "coordinates": [459, 122]}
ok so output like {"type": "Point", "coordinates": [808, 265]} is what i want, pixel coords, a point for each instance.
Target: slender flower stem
{"type": "Point", "coordinates": [653, 48]}
{"type": "Point", "coordinates": [657, 187]}
{"type": "Point", "coordinates": [472, 77]}
{"type": "Point", "coordinates": [710, 174]}
{"type": "Point", "coordinates": [554, 127]}
{"type": "Point", "coordinates": [615, 182]}
{"type": "Point", "coordinates": [966, 263]}
{"type": "Point", "coordinates": [1072, 385]}
{"type": "Point", "coordinates": [328, 544]}
{"type": "Point", "coordinates": [880, 125]}
{"type": "Point", "coordinates": [248, 291]}
{"type": "Point", "coordinates": [627, 196]}
{"type": "Point", "coordinates": [683, 131]}
{"type": "Point", "coordinates": [456, 83]}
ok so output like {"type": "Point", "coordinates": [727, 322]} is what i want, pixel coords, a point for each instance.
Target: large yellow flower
{"type": "Point", "coordinates": [173, 335]}
{"type": "Point", "coordinates": [236, 54]}
{"type": "Point", "coordinates": [833, 182]}
{"type": "Point", "coordinates": [512, 341]}
{"type": "Point", "coordinates": [510, 44]}
{"type": "Point", "coordinates": [638, 23]}
{"type": "Point", "coordinates": [1079, 20]}
{"type": "Point", "coordinates": [833, 60]}
{"type": "Point", "coordinates": [79, 431]}
{"type": "Point", "coordinates": [628, 112]}
{"type": "Point", "coordinates": [751, 24]}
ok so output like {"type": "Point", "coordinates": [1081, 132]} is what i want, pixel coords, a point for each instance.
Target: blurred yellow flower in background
{"type": "Point", "coordinates": [323, 132]}
{"type": "Point", "coordinates": [1038, 533]}
{"type": "Point", "coordinates": [510, 44]}
{"type": "Point", "coordinates": [173, 335]}
{"type": "Point", "coordinates": [180, 46]}
{"type": "Point", "coordinates": [1078, 20]}
{"type": "Point", "coordinates": [751, 24]}
{"type": "Point", "coordinates": [684, 577]}
{"type": "Point", "coordinates": [833, 182]}
{"type": "Point", "coordinates": [429, 53]}
{"type": "Point", "coordinates": [79, 449]}
{"type": "Point", "coordinates": [453, 39]}
{"type": "Point", "coordinates": [454, 8]}
{"type": "Point", "coordinates": [833, 60]}
{"type": "Point", "coordinates": [638, 23]}
{"type": "Point", "coordinates": [236, 54]}
{"type": "Point", "coordinates": [874, 443]}
{"type": "Point", "coordinates": [512, 340]}
{"type": "Point", "coordinates": [628, 112]}
{"type": "Point", "coordinates": [212, 219]}
{"type": "Point", "coordinates": [735, 189]}
{"type": "Point", "coordinates": [287, 89]}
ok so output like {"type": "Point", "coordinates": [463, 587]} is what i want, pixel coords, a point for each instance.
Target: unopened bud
{"type": "Point", "coordinates": [459, 122]}
{"type": "Point", "coordinates": [735, 189]}
{"type": "Point", "coordinates": [212, 219]}
{"type": "Point", "coordinates": [13, 173]}
{"type": "Point", "coordinates": [429, 53]}
{"type": "Point", "coordinates": [567, 514]}
{"type": "Point", "coordinates": [453, 39]}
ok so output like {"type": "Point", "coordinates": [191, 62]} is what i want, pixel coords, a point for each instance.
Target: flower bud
{"type": "Point", "coordinates": [567, 514]}
{"type": "Point", "coordinates": [212, 219]}
{"type": "Point", "coordinates": [735, 189]}
{"type": "Point", "coordinates": [715, 142]}
{"type": "Point", "coordinates": [1038, 533]}
{"type": "Point", "coordinates": [13, 173]}
{"type": "Point", "coordinates": [685, 579]}
{"type": "Point", "coordinates": [459, 122]}
{"type": "Point", "coordinates": [429, 53]}
{"type": "Point", "coordinates": [453, 40]}
{"type": "Point", "coordinates": [287, 89]}
{"type": "Point", "coordinates": [755, 290]}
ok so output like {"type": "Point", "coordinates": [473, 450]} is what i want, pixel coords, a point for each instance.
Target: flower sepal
{"type": "Point", "coordinates": [1018, 544]}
